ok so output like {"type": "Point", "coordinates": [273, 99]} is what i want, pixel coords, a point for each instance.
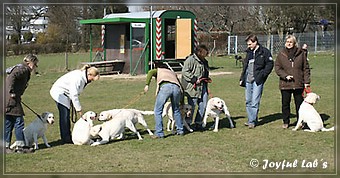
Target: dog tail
{"type": "Point", "coordinates": [330, 129]}
{"type": "Point", "coordinates": [147, 112]}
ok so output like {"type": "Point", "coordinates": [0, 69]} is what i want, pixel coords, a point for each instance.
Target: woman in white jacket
{"type": "Point", "coordinates": [66, 90]}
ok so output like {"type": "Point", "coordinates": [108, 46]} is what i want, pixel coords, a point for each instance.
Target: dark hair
{"type": "Point", "coordinates": [252, 38]}
{"type": "Point", "coordinates": [201, 47]}
{"type": "Point", "coordinates": [31, 58]}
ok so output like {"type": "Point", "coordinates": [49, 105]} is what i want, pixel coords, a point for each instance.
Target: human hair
{"type": "Point", "coordinates": [91, 71]}
{"type": "Point", "coordinates": [31, 58]}
{"type": "Point", "coordinates": [201, 47]}
{"type": "Point", "coordinates": [252, 38]}
{"type": "Point", "coordinates": [293, 38]}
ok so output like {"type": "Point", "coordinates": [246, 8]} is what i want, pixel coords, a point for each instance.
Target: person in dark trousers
{"type": "Point", "coordinates": [66, 90]}
{"type": "Point", "coordinates": [17, 80]}
{"type": "Point", "coordinates": [292, 67]}
{"type": "Point", "coordinates": [258, 64]}
{"type": "Point", "coordinates": [195, 79]}
{"type": "Point", "coordinates": [168, 87]}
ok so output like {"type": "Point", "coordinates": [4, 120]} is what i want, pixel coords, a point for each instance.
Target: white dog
{"type": "Point", "coordinates": [36, 130]}
{"type": "Point", "coordinates": [81, 129]}
{"type": "Point", "coordinates": [185, 112]}
{"type": "Point", "coordinates": [309, 115]}
{"type": "Point", "coordinates": [116, 121]}
{"type": "Point", "coordinates": [215, 107]}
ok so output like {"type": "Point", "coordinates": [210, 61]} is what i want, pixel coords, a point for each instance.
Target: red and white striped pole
{"type": "Point", "coordinates": [103, 36]}
{"type": "Point", "coordinates": [195, 34]}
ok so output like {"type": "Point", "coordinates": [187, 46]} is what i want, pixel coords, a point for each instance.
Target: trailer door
{"type": "Point", "coordinates": [183, 38]}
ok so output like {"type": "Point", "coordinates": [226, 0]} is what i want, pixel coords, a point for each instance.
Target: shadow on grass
{"type": "Point", "coordinates": [269, 118]}
{"type": "Point", "coordinates": [223, 123]}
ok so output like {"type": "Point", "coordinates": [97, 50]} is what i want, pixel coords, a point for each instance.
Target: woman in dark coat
{"type": "Point", "coordinates": [292, 67]}
{"type": "Point", "coordinates": [16, 83]}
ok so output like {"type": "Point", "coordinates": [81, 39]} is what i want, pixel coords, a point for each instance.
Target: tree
{"type": "Point", "coordinates": [18, 16]}
{"type": "Point", "coordinates": [64, 18]}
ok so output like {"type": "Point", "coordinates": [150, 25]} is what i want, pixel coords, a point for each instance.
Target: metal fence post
{"type": "Point", "coordinates": [315, 41]}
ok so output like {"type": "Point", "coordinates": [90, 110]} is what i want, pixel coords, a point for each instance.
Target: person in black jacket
{"type": "Point", "coordinates": [16, 84]}
{"type": "Point", "coordinates": [258, 64]}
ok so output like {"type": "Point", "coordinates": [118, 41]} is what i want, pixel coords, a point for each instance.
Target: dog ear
{"type": "Point", "coordinates": [43, 115]}
{"type": "Point", "coordinates": [311, 98]}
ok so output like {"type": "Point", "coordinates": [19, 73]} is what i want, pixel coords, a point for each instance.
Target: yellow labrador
{"type": "Point", "coordinates": [215, 107]}
{"type": "Point", "coordinates": [36, 130]}
{"type": "Point", "coordinates": [115, 122]}
{"type": "Point", "coordinates": [185, 112]}
{"type": "Point", "coordinates": [81, 129]}
{"type": "Point", "coordinates": [309, 115]}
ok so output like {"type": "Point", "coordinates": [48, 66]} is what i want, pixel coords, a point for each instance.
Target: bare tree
{"type": "Point", "coordinates": [65, 17]}
{"type": "Point", "coordinates": [18, 16]}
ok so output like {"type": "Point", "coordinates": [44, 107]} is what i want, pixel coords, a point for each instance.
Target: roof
{"type": "Point", "coordinates": [143, 16]}
{"type": "Point", "coordinates": [136, 15]}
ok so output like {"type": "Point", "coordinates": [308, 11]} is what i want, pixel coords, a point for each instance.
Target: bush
{"type": "Point", "coordinates": [35, 48]}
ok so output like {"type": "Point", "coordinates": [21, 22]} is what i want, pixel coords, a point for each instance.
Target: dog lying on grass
{"type": "Point", "coordinates": [115, 122]}
{"type": "Point", "coordinates": [215, 107]}
{"type": "Point", "coordinates": [309, 115]}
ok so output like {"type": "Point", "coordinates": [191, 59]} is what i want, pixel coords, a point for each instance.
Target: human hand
{"type": "Point", "coordinates": [146, 88]}
{"type": "Point", "coordinates": [289, 77]}
{"type": "Point", "coordinates": [304, 46]}
{"type": "Point", "coordinates": [80, 113]}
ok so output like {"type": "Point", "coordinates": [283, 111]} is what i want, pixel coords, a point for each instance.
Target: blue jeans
{"type": "Point", "coordinates": [173, 92]}
{"type": "Point", "coordinates": [64, 123]}
{"type": "Point", "coordinates": [16, 122]}
{"type": "Point", "coordinates": [202, 104]}
{"type": "Point", "coordinates": [253, 97]}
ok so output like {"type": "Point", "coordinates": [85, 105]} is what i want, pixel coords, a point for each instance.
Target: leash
{"type": "Point", "coordinates": [306, 90]}
{"type": "Point", "coordinates": [73, 114]}
{"type": "Point", "coordinates": [135, 100]}
{"type": "Point", "coordinates": [32, 111]}
{"type": "Point", "coordinates": [207, 80]}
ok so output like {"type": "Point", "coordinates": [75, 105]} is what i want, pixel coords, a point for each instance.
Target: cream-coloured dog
{"type": "Point", "coordinates": [81, 129]}
{"type": "Point", "coordinates": [185, 112]}
{"type": "Point", "coordinates": [308, 114]}
{"type": "Point", "coordinates": [116, 121]}
{"type": "Point", "coordinates": [215, 107]}
{"type": "Point", "coordinates": [36, 130]}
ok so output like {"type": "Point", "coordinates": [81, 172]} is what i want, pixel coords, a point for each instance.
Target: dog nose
{"type": "Point", "coordinates": [52, 122]}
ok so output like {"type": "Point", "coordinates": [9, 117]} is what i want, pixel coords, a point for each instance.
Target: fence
{"type": "Point", "coordinates": [228, 45]}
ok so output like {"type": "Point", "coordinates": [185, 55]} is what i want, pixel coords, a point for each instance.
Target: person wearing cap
{"type": "Point", "coordinates": [168, 87]}
{"type": "Point", "coordinates": [66, 90]}
{"type": "Point", "coordinates": [16, 83]}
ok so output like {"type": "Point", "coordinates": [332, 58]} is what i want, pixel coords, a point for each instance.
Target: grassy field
{"type": "Point", "coordinates": [230, 151]}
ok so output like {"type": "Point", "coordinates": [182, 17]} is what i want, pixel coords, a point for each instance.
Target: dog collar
{"type": "Point", "coordinates": [308, 103]}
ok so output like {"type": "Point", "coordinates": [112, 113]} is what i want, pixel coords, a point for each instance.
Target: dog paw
{"type": "Point", "coordinates": [191, 130]}
{"type": "Point", "coordinates": [294, 129]}
{"type": "Point", "coordinates": [203, 125]}
{"type": "Point", "coordinates": [48, 146]}
{"type": "Point", "coordinates": [215, 130]}
{"type": "Point", "coordinates": [95, 144]}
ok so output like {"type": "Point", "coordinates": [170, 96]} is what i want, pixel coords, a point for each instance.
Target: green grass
{"type": "Point", "coordinates": [226, 152]}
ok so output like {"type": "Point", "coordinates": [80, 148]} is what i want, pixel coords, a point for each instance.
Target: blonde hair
{"type": "Point", "coordinates": [293, 39]}
{"type": "Point", "coordinates": [91, 71]}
